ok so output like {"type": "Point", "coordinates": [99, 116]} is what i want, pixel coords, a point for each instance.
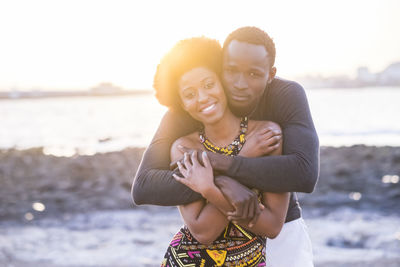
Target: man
{"type": "Point", "coordinates": [252, 90]}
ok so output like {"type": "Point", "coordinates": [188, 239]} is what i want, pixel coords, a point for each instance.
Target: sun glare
{"type": "Point", "coordinates": [78, 44]}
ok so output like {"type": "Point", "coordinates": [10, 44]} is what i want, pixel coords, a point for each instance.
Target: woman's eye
{"type": "Point", "coordinates": [189, 95]}
{"type": "Point", "coordinates": [209, 85]}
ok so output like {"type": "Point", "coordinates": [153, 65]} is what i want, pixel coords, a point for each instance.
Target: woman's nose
{"type": "Point", "coordinates": [203, 96]}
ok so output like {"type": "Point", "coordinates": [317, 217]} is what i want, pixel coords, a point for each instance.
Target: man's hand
{"type": "Point", "coordinates": [262, 141]}
{"type": "Point", "coordinates": [219, 163]}
{"type": "Point", "coordinates": [245, 201]}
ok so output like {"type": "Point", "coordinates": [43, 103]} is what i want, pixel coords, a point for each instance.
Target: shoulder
{"type": "Point", "coordinates": [283, 87]}
{"type": "Point", "coordinates": [282, 92]}
{"type": "Point", "coordinates": [279, 83]}
{"type": "Point", "coordinates": [189, 141]}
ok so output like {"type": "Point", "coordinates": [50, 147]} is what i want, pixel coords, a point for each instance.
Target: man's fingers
{"type": "Point", "coordinates": [235, 215]}
{"type": "Point", "coordinates": [257, 213]}
{"type": "Point", "coordinates": [270, 149]}
{"type": "Point", "coordinates": [251, 214]}
{"type": "Point", "coordinates": [245, 211]}
{"type": "Point", "coordinates": [273, 140]}
{"type": "Point", "coordinates": [238, 216]}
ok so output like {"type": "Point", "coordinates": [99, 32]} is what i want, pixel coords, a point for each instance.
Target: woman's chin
{"type": "Point", "coordinates": [210, 118]}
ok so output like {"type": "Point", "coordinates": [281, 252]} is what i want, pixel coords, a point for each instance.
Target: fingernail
{"type": "Point", "coordinates": [204, 153]}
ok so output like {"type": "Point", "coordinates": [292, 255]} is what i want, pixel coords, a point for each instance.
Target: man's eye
{"type": "Point", "coordinates": [253, 74]}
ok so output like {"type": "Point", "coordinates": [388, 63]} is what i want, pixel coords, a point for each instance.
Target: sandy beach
{"type": "Point", "coordinates": [77, 211]}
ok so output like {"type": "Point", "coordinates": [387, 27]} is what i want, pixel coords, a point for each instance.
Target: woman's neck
{"type": "Point", "coordinates": [224, 131]}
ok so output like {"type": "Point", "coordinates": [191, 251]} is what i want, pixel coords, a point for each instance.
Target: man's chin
{"type": "Point", "coordinates": [240, 108]}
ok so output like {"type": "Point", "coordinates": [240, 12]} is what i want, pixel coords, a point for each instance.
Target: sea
{"type": "Point", "coordinates": [65, 126]}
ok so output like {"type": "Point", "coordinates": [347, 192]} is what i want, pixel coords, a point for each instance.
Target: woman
{"type": "Point", "coordinates": [187, 80]}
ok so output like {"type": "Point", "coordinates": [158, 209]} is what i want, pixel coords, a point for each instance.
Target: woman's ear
{"type": "Point", "coordinates": [271, 76]}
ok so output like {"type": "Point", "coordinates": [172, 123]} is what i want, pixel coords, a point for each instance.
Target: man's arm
{"type": "Point", "coordinates": [297, 169]}
{"type": "Point", "coordinates": [154, 183]}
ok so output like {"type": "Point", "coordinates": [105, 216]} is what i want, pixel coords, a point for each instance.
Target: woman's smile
{"type": "Point", "coordinates": [202, 95]}
{"type": "Point", "coordinates": [209, 108]}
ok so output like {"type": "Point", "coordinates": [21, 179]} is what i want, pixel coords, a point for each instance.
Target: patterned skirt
{"type": "Point", "coordinates": [234, 247]}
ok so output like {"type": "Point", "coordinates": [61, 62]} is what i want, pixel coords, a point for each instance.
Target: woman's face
{"type": "Point", "coordinates": [202, 95]}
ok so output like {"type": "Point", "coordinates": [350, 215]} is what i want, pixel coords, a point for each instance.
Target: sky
{"type": "Point", "coordinates": [52, 45]}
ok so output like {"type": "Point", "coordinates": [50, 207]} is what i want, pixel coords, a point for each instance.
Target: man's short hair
{"type": "Point", "coordinates": [184, 56]}
{"type": "Point", "coordinates": [253, 35]}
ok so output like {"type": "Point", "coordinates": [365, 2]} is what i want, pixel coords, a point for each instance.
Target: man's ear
{"type": "Point", "coordinates": [272, 73]}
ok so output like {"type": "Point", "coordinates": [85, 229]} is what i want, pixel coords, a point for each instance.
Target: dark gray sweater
{"type": "Point", "coordinates": [297, 170]}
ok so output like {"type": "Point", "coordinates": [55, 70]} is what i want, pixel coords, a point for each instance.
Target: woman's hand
{"type": "Point", "coordinates": [198, 177]}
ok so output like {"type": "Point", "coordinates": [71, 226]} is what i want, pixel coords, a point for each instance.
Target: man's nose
{"type": "Point", "coordinates": [241, 82]}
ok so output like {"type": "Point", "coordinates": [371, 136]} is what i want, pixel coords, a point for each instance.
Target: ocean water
{"type": "Point", "coordinates": [87, 125]}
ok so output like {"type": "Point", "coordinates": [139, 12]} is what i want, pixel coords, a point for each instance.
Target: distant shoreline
{"type": "Point", "coordinates": [37, 94]}
{"type": "Point", "coordinates": [56, 94]}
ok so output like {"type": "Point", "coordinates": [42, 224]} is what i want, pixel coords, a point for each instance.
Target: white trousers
{"type": "Point", "coordinates": [291, 248]}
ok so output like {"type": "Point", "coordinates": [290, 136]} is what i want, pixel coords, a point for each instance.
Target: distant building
{"type": "Point", "coordinates": [365, 77]}
{"type": "Point", "coordinates": [105, 89]}
{"type": "Point", "coordinates": [391, 75]}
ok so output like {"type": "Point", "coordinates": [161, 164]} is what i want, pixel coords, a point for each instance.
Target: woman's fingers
{"type": "Point", "coordinates": [193, 157]}
{"type": "Point", "coordinates": [186, 160]}
{"type": "Point", "coordinates": [180, 179]}
{"type": "Point", "coordinates": [206, 160]}
{"type": "Point", "coordinates": [181, 168]}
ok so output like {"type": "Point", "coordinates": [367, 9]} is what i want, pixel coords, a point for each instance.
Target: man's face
{"type": "Point", "coordinates": [246, 72]}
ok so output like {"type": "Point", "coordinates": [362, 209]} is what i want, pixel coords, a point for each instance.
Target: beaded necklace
{"type": "Point", "coordinates": [233, 148]}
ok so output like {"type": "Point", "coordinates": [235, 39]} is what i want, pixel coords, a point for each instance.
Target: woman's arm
{"type": "Point", "coordinates": [272, 217]}
{"type": "Point", "coordinates": [198, 215]}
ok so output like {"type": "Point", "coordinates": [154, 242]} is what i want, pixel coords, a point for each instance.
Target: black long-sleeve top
{"type": "Point", "coordinates": [297, 170]}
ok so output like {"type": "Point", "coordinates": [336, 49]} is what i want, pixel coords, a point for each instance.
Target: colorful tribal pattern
{"type": "Point", "coordinates": [234, 247]}
{"type": "Point", "coordinates": [232, 149]}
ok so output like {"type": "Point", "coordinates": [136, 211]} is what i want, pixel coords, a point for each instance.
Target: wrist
{"type": "Point", "coordinates": [219, 162]}
{"type": "Point", "coordinates": [209, 192]}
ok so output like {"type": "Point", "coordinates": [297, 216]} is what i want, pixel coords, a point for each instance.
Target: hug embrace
{"type": "Point", "coordinates": [243, 142]}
